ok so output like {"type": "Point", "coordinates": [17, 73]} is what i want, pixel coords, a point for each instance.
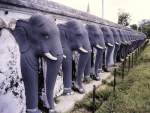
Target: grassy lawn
{"type": "Point", "coordinates": [132, 95]}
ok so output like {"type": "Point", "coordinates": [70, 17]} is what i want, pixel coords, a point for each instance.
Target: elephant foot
{"type": "Point", "coordinates": [115, 65]}
{"type": "Point", "coordinates": [67, 92]}
{"type": "Point", "coordinates": [106, 69]}
{"type": "Point", "coordinates": [44, 100]}
{"type": "Point", "coordinates": [33, 111]}
{"type": "Point", "coordinates": [87, 79]}
{"type": "Point", "coordinates": [97, 78]}
{"type": "Point", "coordinates": [78, 89]}
{"type": "Point", "coordinates": [52, 111]}
{"type": "Point", "coordinates": [121, 59]}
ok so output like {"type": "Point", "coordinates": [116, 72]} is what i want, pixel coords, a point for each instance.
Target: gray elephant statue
{"type": "Point", "coordinates": [109, 42]}
{"type": "Point", "coordinates": [97, 41]}
{"type": "Point", "coordinates": [117, 43]}
{"type": "Point", "coordinates": [38, 37]}
{"type": "Point", "coordinates": [124, 45]}
{"type": "Point", "coordinates": [74, 37]}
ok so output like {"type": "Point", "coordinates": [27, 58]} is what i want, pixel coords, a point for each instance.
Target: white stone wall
{"type": "Point", "coordinates": [12, 93]}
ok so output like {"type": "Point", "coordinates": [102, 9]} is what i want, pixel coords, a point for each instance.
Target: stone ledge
{"type": "Point", "coordinates": [58, 9]}
{"type": "Point", "coordinates": [66, 103]}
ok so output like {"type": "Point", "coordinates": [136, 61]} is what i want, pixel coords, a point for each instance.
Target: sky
{"type": "Point", "coordinates": [138, 9]}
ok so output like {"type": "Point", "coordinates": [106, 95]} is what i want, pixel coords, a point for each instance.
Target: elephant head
{"type": "Point", "coordinates": [123, 41]}
{"type": "Point", "coordinates": [38, 37]}
{"type": "Point", "coordinates": [116, 36]}
{"type": "Point", "coordinates": [108, 36]}
{"type": "Point", "coordinates": [77, 36]}
{"type": "Point", "coordinates": [95, 36]}
{"type": "Point", "coordinates": [74, 37]}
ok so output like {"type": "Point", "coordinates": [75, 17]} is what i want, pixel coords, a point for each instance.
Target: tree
{"type": "Point", "coordinates": [145, 27]}
{"type": "Point", "coordinates": [124, 18]}
{"type": "Point", "coordinates": [134, 26]}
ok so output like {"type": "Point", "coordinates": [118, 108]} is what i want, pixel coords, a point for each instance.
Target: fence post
{"type": "Point", "coordinates": [114, 84]}
{"type": "Point", "coordinates": [132, 59]}
{"type": "Point", "coordinates": [94, 90]}
{"type": "Point", "coordinates": [136, 51]}
{"type": "Point", "coordinates": [129, 63]}
{"type": "Point", "coordinates": [123, 66]}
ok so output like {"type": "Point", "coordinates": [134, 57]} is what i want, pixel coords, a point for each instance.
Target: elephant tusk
{"type": "Point", "coordinates": [50, 56]}
{"type": "Point", "coordinates": [64, 56]}
{"type": "Point", "coordinates": [100, 47]}
{"type": "Point", "coordinates": [83, 50]}
{"type": "Point", "coordinates": [110, 44]}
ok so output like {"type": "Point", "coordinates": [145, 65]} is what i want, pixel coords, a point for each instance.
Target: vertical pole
{"type": "Point", "coordinates": [103, 9]}
{"type": "Point", "coordinates": [129, 63]}
{"type": "Point", "coordinates": [114, 85]}
{"type": "Point", "coordinates": [123, 66]}
{"type": "Point", "coordinates": [94, 90]}
{"type": "Point", "coordinates": [136, 55]}
{"type": "Point", "coordinates": [132, 60]}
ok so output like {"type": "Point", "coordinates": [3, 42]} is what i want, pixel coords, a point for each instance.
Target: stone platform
{"type": "Point", "coordinates": [66, 103]}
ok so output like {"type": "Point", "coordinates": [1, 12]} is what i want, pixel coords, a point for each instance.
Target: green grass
{"type": "Point", "coordinates": [132, 95]}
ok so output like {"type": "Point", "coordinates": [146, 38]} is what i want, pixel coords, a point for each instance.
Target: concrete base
{"type": "Point", "coordinates": [66, 103]}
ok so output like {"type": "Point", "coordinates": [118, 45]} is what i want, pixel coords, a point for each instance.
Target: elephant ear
{"type": "Point", "coordinates": [21, 33]}
{"type": "Point", "coordinates": [67, 32]}
{"type": "Point", "coordinates": [63, 34]}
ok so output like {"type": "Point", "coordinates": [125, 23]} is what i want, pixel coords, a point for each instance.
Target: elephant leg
{"type": "Point", "coordinates": [102, 60]}
{"type": "Point", "coordinates": [67, 71]}
{"type": "Point", "coordinates": [83, 60]}
{"type": "Point", "coordinates": [87, 70]}
{"type": "Point", "coordinates": [122, 52]}
{"type": "Point", "coordinates": [30, 78]}
{"type": "Point", "coordinates": [118, 59]}
{"type": "Point", "coordinates": [115, 52]}
{"type": "Point", "coordinates": [98, 63]}
{"type": "Point", "coordinates": [108, 56]}
{"type": "Point", "coordinates": [125, 51]}
{"type": "Point", "coordinates": [52, 71]}
{"type": "Point", "coordinates": [111, 63]}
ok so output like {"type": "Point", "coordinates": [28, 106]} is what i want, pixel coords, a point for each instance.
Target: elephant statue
{"type": "Point", "coordinates": [126, 44]}
{"type": "Point", "coordinates": [121, 52]}
{"type": "Point", "coordinates": [117, 43]}
{"type": "Point", "coordinates": [109, 42]}
{"type": "Point", "coordinates": [97, 41]}
{"type": "Point", "coordinates": [74, 37]}
{"type": "Point", "coordinates": [38, 37]}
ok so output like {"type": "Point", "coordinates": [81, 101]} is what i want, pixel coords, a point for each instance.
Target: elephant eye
{"type": "Point", "coordinates": [78, 34]}
{"type": "Point", "coordinates": [96, 35]}
{"type": "Point", "coordinates": [45, 36]}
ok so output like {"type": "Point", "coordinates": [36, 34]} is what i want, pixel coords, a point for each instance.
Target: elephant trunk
{"type": "Point", "coordinates": [83, 60]}
{"type": "Point", "coordinates": [51, 75]}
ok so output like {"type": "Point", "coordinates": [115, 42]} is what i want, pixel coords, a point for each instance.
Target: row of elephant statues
{"type": "Point", "coordinates": [40, 37]}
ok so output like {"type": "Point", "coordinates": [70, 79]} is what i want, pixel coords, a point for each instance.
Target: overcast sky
{"type": "Point", "coordinates": [138, 9]}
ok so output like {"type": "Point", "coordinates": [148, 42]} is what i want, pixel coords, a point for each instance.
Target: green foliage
{"type": "Point", "coordinates": [134, 26]}
{"type": "Point", "coordinates": [145, 27]}
{"type": "Point", "coordinates": [124, 18]}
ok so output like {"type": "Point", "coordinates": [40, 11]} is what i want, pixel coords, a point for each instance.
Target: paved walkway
{"type": "Point", "coordinates": [66, 103]}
